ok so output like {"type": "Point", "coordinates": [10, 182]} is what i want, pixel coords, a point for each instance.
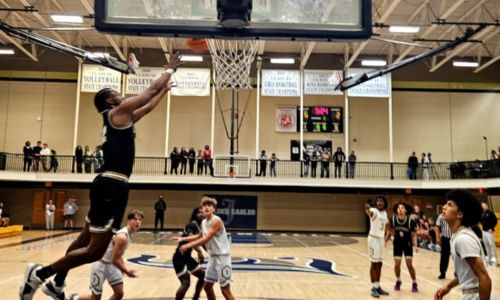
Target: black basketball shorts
{"type": "Point", "coordinates": [183, 263]}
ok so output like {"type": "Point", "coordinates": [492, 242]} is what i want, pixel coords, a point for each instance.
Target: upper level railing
{"type": "Point", "coordinates": [284, 168]}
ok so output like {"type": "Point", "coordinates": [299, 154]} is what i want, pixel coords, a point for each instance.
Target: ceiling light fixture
{"type": "Point", "coordinates": [465, 64]}
{"type": "Point", "coordinates": [373, 63]}
{"type": "Point", "coordinates": [66, 19]}
{"type": "Point", "coordinates": [404, 29]}
{"type": "Point", "coordinates": [191, 58]}
{"type": "Point", "coordinates": [284, 61]}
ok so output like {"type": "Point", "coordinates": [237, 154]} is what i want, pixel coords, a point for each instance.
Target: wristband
{"type": "Point", "coordinates": [170, 71]}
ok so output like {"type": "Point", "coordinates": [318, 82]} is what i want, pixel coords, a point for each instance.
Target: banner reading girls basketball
{"type": "Point", "coordinates": [96, 77]}
{"type": "Point", "coordinates": [237, 211]}
{"type": "Point", "coordinates": [376, 87]}
{"type": "Point", "coordinates": [142, 79]}
{"type": "Point", "coordinates": [286, 118]}
{"type": "Point", "coordinates": [281, 83]}
{"type": "Point", "coordinates": [322, 82]}
{"type": "Point", "coordinates": [191, 82]}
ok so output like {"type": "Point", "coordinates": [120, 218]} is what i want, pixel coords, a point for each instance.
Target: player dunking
{"type": "Point", "coordinates": [376, 242]}
{"type": "Point", "coordinates": [213, 235]}
{"type": "Point", "coordinates": [111, 267]}
{"type": "Point", "coordinates": [109, 190]}
{"type": "Point", "coordinates": [405, 238]}
{"type": "Point", "coordinates": [461, 211]}
{"type": "Point", "coordinates": [184, 263]}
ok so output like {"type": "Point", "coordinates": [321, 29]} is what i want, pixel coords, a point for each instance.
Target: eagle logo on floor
{"type": "Point", "coordinates": [280, 264]}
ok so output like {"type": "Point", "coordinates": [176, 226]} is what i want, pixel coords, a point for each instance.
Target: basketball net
{"type": "Point", "coordinates": [232, 61]}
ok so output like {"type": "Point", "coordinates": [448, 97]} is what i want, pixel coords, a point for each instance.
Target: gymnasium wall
{"type": "Point", "coordinates": [281, 211]}
{"type": "Point", "coordinates": [450, 125]}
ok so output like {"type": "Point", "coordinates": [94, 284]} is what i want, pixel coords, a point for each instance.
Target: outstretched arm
{"type": "Point", "coordinates": [144, 110]}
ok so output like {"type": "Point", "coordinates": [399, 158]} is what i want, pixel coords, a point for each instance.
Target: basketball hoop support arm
{"type": "Point", "coordinates": [349, 82]}
{"type": "Point", "coordinates": [106, 61]}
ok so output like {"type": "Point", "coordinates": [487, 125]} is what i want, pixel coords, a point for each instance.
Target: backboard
{"type": "Point", "coordinates": [319, 20]}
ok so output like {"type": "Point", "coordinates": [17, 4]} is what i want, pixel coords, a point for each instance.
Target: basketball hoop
{"type": "Point", "coordinates": [232, 61]}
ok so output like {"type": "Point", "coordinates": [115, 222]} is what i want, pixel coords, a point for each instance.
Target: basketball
{"type": "Point", "coordinates": [197, 45]}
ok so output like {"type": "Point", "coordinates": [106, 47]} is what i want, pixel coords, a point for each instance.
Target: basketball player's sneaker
{"type": "Point", "coordinates": [53, 291]}
{"type": "Point", "coordinates": [414, 288]}
{"type": "Point", "coordinates": [382, 292]}
{"type": "Point", "coordinates": [30, 283]}
{"type": "Point", "coordinates": [375, 293]}
{"type": "Point", "coordinates": [397, 286]}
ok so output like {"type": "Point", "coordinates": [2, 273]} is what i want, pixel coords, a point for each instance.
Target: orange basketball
{"type": "Point", "coordinates": [197, 45]}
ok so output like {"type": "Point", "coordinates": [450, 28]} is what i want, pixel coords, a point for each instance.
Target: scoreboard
{"type": "Point", "coordinates": [321, 119]}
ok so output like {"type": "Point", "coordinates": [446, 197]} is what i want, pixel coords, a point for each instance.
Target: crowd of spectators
{"type": "Point", "coordinates": [39, 158]}
{"type": "Point", "coordinates": [324, 157]}
{"type": "Point", "coordinates": [203, 160]}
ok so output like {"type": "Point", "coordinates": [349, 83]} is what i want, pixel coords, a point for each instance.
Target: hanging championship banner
{"type": "Point", "coordinates": [281, 83]}
{"type": "Point", "coordinates": [96, 77]}
{"type": "Point", "coordinates": [376, 87]}
{"type": "Point", "coordinates": [286, 118]}
{"type": "Point", "coordinates": [191, 82]}
{"type": "Point", "coordinates": [142, 79]}
{"type": "Point", "coordinates": [322, 82]}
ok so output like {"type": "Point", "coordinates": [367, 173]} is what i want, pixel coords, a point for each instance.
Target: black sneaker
{"type": "Point", "coordinates": [382, 292]}
{"type": "Point", "coordinates": [30, 283]}
{"type": "Point", "coordinates": [375, 293]}
{"type": "Point", "coordinates": [441, 276]}
{"type": "Point", "coordinates": [53, 291]}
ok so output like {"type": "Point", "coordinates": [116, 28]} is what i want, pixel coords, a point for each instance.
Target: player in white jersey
{"type": "Point", "coordinates": [461, 211]}
{"type": "Point", "coordinates": [376, 242]}
{"type": "Point", "coordinates": [112, 266]}
{"type": "Point", "coordinates": [213, 235]}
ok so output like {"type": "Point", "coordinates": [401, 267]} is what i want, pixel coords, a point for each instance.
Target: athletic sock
{"type": "Point", "coordinates": [377, 284]}
{"type": "Point", "coordinates": [45, 272]}
{"type": "Point", "coordinates": [60, 278]}
{"type": "Point", "coordinates": [398, 279]}
{"type": "Point", "coordinates": [415, 281]}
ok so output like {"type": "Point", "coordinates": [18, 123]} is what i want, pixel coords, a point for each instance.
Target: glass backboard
{"type": "Point", "coordinates": [270, 19]}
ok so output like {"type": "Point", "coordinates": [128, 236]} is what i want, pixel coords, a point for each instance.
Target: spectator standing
{"type": "Point", "coordinates": [174, 161]}
{"type": "Point", "coordinates": [50, 209]}
{"type": "Point", "coordinates": [352, 165]}
{"type": "Point", "coordinates": [425, 166]}
{"type": "Point", "coordinates": [183, 159]}
{"type": "Point", "coordinates": [87, 159]}
{"type": "Point", "coordinates": [70, 209]}
{"type": "Point", "coordinates": [160, 208]}
{"type": "Point", "coordinates": [444, 236]}
{"type": "Point", "coordinates": [314, 163]}
{"type": "Point", "coordinates": [54, 164]}
{"type": "Point", "coordinates": [36, 156]}
{"type": "Point", "coordinates": [272, 164]}
{"type": "Point", "coordinates": [200, 163]}
{"type": "Point", "coordinates": [489, 222]}
{"type": "Point", "coordinates": [306, 160]}
{"type": "Point", "coordinates": [207, 157]}
{"type": "Point", "coordinates": [28, 156]}
{"type": "Point", "coordinates": [191, 160]}
{"type": "Point", "coordinates": [325, 163]}
{"type": "Point", "coordinates": [79, 159]}
{"type": "Point", "coordinates": [263, 163]}
{"type": "Point", "coordinates": [412, 166]}
{"type": "Point", "coordinates": [98, 159]}
{"type": "Point", "coordinates": [45, 157]}
{"type": "Point", "coordinates": [338, 159]}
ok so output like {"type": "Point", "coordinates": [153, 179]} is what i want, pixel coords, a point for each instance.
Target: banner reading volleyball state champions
{"type": "Point", "coordinates": [142, 79]}
{"type": "Point", "coordinates": [96, 77]}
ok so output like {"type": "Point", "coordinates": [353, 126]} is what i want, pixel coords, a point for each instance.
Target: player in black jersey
{"type": "Point", "coordinates": [184, 263]}
{"type": "Point", "coordinates": [109, 190]}
{"type": "Point", "coordinates": [404, 231]}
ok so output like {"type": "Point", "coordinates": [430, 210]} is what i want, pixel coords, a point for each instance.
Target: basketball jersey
{"type": "Point", "coordinates": [219, 243]}
{"type": "Point", "coordinates": [190, 229]}
{"type": "Point", "coordinates": [108, 255]}
{"type": "Point", "coordinates": [402, 229]}
{"type": "Point", "coordinates": [118, 146]}
{"type": "Point", "coordinates": [377, 223]}
{"type": "Point", "coordinates": [465, 243]}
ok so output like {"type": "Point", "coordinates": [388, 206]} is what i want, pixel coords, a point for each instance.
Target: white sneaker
{"type": "Point", "coordinates": [30, 283]}
{"type": "Point", "coordinates": [53, 291]}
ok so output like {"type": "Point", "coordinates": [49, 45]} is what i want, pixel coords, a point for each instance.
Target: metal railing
{"type": "Point", "coordinates": [284, 168]}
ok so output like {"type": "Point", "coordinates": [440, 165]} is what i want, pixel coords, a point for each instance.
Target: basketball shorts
{"type": "Point", "coordinates": [184, 263]}
{"type": "Point", "coordinates": [402, 248]}
{"type": "Point", "coordinates": [101, 272]}
{"type": "Point", "coordinates": [376, 249]}
{"type": "Point", "coordinates": [108, 201]}
{"type": "Point", "coordinates": [219, 270]}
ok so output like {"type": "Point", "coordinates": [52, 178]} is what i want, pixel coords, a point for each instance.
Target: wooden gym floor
{"type": "Point", "coordinates": [265, 266]}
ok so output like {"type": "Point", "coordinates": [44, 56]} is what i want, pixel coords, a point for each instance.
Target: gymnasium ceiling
{"type": "Point", "coordinates": [389, 12]}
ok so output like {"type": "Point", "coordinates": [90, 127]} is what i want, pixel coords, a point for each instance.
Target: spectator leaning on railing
{"type": "Point", "coordinates": [36, 156]}
{"type": "Point", "coordinates": [412, 166]}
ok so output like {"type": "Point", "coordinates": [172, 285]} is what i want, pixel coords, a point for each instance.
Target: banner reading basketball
{"type": "Point", "coordinates": [142, 79]}
{"type": "Point", "coordinates": [95, 78]}
{"type": "Point", "coordinates": [281, 83]}
{"type": "Point", "coordinates": [191, 82]}
{"type": "Point", "coordinates": [286, 118]}
{"type": "Point", "coordinates": [322, 82]}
